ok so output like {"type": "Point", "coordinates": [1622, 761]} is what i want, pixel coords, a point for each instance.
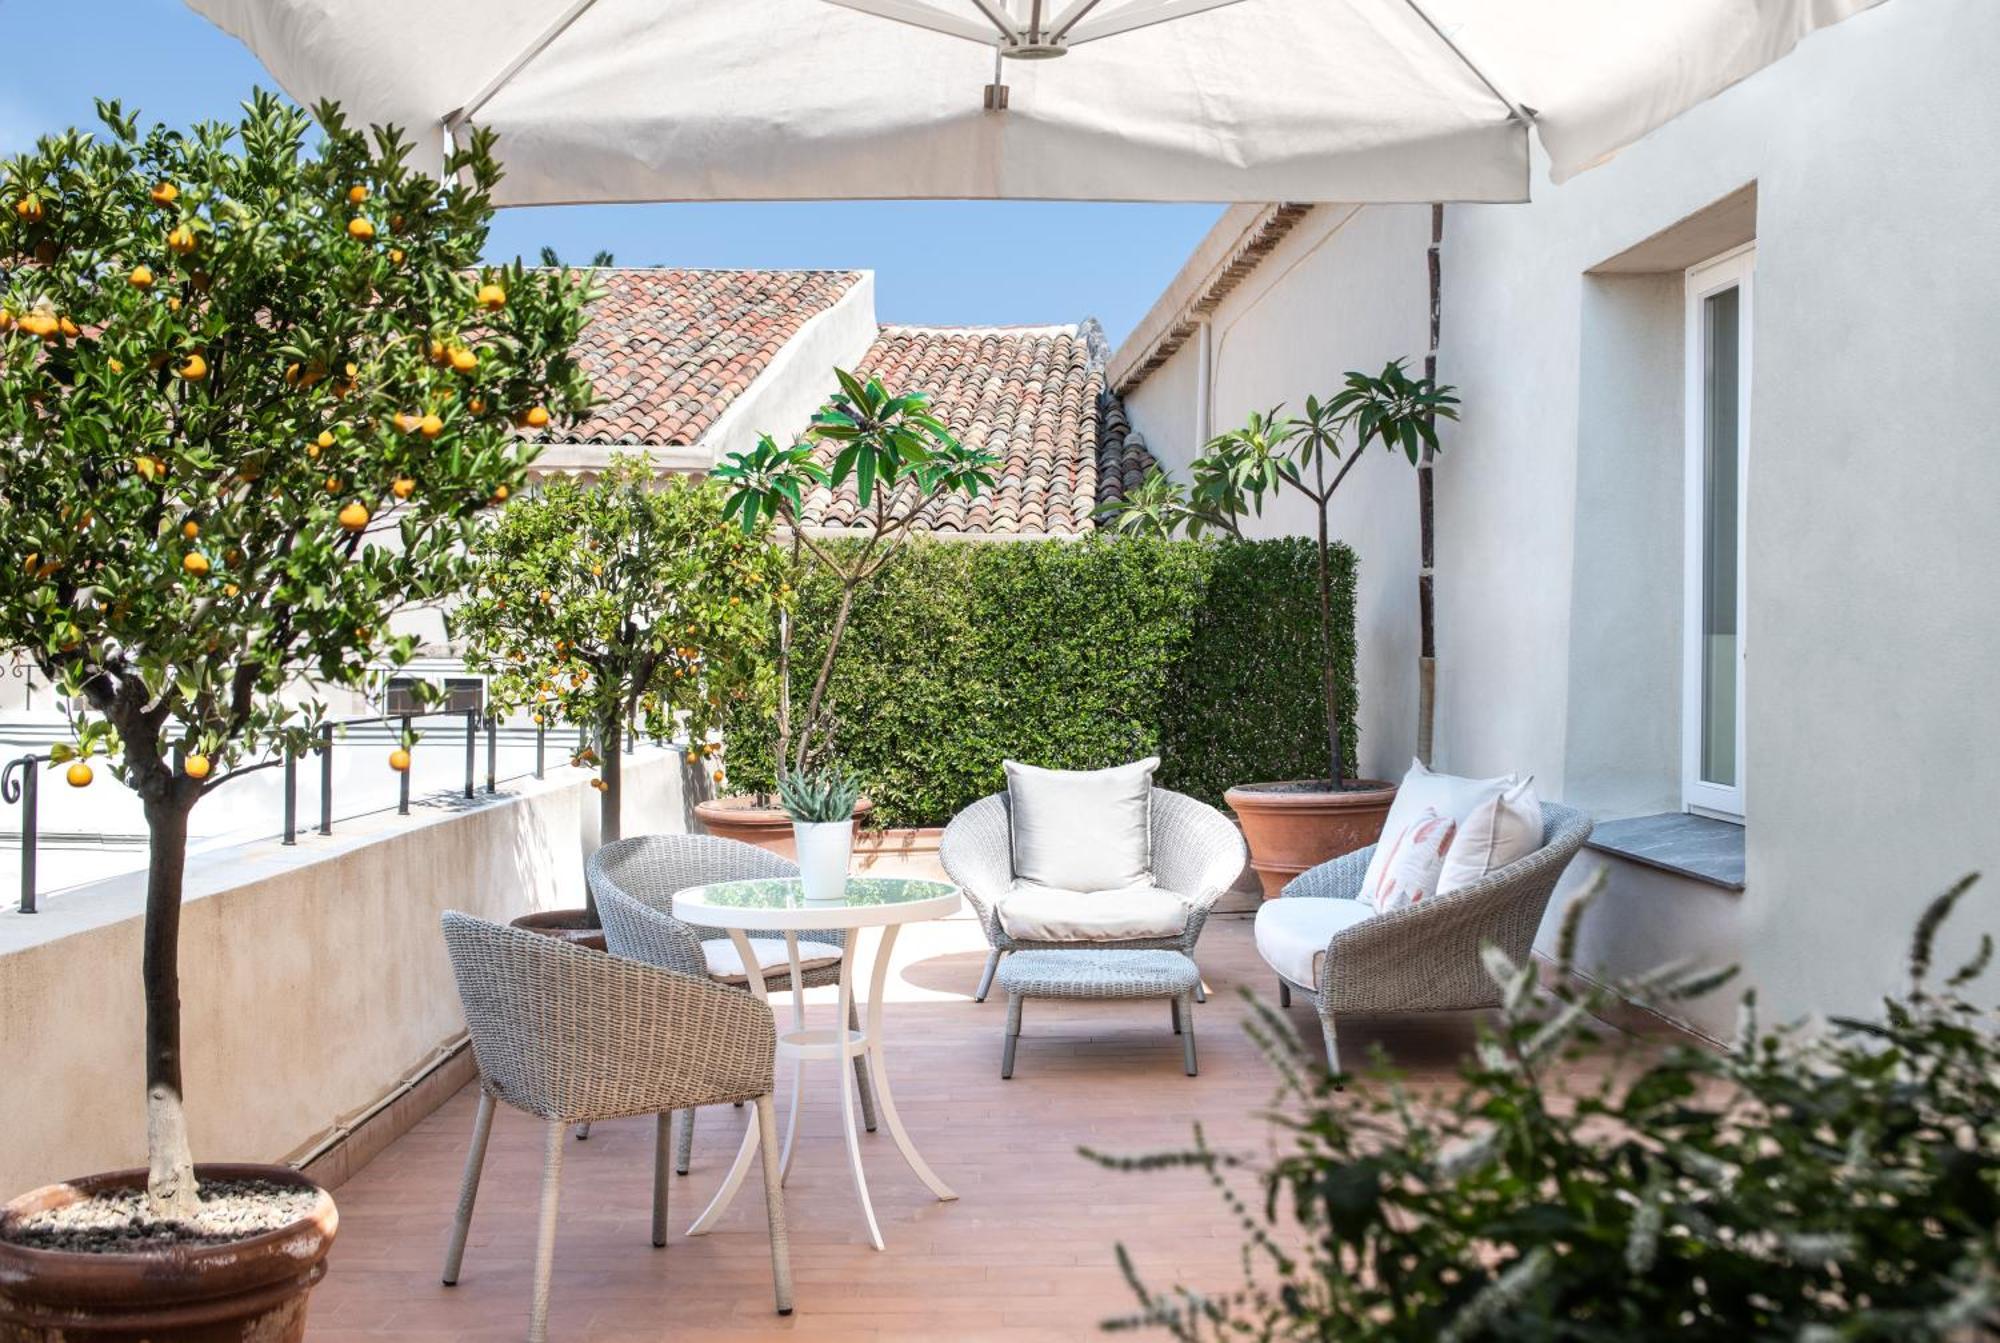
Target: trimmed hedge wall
{"type": "Point", "coordinates": [1074, 656]}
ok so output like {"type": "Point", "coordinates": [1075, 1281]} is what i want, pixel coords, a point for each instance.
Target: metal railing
{"type": "Point", "coordinates": [20, 778]}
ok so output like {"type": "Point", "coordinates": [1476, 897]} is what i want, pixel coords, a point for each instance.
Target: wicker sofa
{"type": "Point", "coordinates": [1424, 958]}
{"type": "Point", "coordinates": [1197, 853]}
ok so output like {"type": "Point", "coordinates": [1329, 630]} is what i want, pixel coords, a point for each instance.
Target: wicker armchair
{"type": "Point", "coordinates": [1197, 854]}
{"type": "Point", "coordinates": [1426, 957]}
{"type": "Point", "coordinates": [646, 871]}
{"type": "Point", "coordinates": [570, 1035]}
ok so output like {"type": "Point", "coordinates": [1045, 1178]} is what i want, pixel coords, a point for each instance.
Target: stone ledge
{"type": "Point", "coordinates": [1700, 847]}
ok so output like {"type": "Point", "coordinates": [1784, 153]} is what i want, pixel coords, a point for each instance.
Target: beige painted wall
{"type": "Point", "coordinates": [1873, 625]}
{"type": "Point", "coordinates": [313, 979]}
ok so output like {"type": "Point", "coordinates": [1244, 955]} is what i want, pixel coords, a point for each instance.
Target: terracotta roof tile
{"type": "Point", "coordinates": [669, 348]}
{"type": "Point", "coordinates": [1032, 396]}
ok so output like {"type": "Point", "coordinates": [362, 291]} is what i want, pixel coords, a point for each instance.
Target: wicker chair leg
{"type": "Point", "coordinates": [1174, 1007]}
{"type": "Point", "coordinates": [1284, 993]}
{"type": "Point", "coordinates": [583, 1132]}
{"type": "Point", "coordinates": [1013, 1036]}
{"type": "Point", "coordinates": [986, 975]}
{"type": "Point", "coordinates": [861, 1081]}
{"type": "Point", "coordinates": [663, 1126]}
{"type": "Point", "coordinates": [1200, 992]}
{"type": "Point", "coordinates": [545, 1235]}
{"type": "Point", "coordinates": [684, 1150]}
{"type": "Point", "coordinates": [1184, 1011]}
{"type": "Point", "coordinates": [468, 1191]}
{"type": "Point", "coordinates": [1332, 1045]}
{"type": "Point", "coordinates": [774, 1203]}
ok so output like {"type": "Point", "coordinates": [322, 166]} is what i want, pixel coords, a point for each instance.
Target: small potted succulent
{"type": "Point", "coordinates": [821, 805]}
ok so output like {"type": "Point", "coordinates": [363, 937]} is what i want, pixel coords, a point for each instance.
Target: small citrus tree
{"type": "Point", "coordinates": [902, 459]}
{"type": "Point", "coordinates": [254, 397]}
{"type": "Point", "coordinates": [627, 600]}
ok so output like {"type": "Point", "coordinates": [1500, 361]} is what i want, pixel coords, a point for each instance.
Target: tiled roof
{"type": "Point", "coordinates": [668, 349]}
{"type": "Point", "coordinates": [1032, 396]}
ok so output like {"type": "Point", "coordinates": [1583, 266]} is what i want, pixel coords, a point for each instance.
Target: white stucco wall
{"type": "Point", "coordinates": [1324, 302]}
{"type": "Point", "coordinates": [313, 979]}
{"type": "Point", "coordinates": [1873, 624]}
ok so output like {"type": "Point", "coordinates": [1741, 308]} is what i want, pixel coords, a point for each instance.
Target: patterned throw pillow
{"type": "Point", "coordinates": [1413, 862]}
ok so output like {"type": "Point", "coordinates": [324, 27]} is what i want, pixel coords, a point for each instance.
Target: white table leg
{"type": "Point", "coordinates": [885, 1098]}
{"type": "Point", "coordinates": [798, 1064]}
{"type": "Point", "coordinates": [844, 1076]}
{"type": "Point", "coordinates": [746, 1155]}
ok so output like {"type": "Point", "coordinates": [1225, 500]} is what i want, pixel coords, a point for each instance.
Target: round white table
{"type": "Point", "coordinates": [778, 904]}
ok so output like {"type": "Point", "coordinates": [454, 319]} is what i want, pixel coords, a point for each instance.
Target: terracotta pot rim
{"type": "Point", "coordinates": [1358, 793]}
{"type": "Point", "coordinates": [742, 809]}
{"type": "Point", "coordinates": [166, 1274]}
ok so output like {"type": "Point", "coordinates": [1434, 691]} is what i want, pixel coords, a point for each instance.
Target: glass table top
{"type": "Point", "coordinates": [768, 902]}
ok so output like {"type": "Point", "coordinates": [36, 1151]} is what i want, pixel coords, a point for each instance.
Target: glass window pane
{"type": "Point", "coordinates": [1721, 334]}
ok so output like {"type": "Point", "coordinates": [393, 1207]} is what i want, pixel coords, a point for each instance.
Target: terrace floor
{"type": "Point", "coordinates": [1025, 1253]}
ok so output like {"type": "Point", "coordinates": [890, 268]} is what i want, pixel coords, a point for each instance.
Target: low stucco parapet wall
{"type": "Point", "coordinates": [313, 979]}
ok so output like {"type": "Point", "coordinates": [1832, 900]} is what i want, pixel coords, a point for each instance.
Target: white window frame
{"type": "Point", "coordinates": [1733, 269]}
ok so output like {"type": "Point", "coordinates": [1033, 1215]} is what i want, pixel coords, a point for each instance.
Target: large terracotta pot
{"type": "Point", "coordinates": [246, 1291]}
{"type": "Point", "coordinates": [1300, 824]}
{"type": "Point", "coordinates": [767, 827]}
{"type": "Point", "coordinates": [576, 926]}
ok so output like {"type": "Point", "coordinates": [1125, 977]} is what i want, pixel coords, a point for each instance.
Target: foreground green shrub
{"type": "Point", "coordinates": [1072, 656]}
{"type": "Point", "coordinates": [1803, 1186]}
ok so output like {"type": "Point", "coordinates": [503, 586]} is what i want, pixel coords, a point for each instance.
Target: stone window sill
{"type": "Point", "coordinates": [1700, 847]}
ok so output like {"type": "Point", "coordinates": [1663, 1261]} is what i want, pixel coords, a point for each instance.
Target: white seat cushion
{"type": "Point", "coordinates": [1292, 934]}
{"type": "Point", "coordinates": [724, 964]}
{"type": "Point", "coordinates": [1032, 913]}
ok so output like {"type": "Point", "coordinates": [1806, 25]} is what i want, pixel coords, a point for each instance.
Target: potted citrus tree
{"type": "Point", "coordinates": [902, 459]}
{"type": "Point", "coordinates": [627, 602]}
{"type": "Point", "coordinates": [255, 395]}
{"type": "Point", "coordinates": [1294, 824]}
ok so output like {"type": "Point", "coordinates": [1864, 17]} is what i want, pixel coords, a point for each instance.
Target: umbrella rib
{"type": "Point", "coordinates": [471, 107]}
{"type": "Point", "coordinates": [1514, 109]}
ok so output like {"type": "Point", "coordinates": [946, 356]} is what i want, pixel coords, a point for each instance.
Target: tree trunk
{"type": "Point", "coordinates": [170, 1184]}
{"type": "Point", "coordinates": [1327, 684]}
{"type": "Point", "coordinates": [611, 746]}
{"type": "Point", "coordinates": [1426, 533]}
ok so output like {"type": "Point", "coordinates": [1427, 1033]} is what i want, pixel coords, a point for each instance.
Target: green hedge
{"type": "Point", "coordinates": [1074, 656]}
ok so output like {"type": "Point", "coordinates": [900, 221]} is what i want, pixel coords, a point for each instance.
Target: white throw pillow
{"type": "Point", "coordinates": [1416, 857]}
{"type": "Point", "coordinates": [1501, 830]}
{"type": "Point", "coordinates": [1082, 830]}
{"type": "Point", "coordinates": [1446, 794]}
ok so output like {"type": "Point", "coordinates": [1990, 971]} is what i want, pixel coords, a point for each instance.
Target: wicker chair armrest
{"type": "Point", "coordinates": [977, 850]}
{"type": "Point", "coordinates": [1198, 853]}
{"type": "Point", "coordinates": [1336, 879]}
{"type": "Point", "coordinates": [570, 1034]}
{"type": "Point", "coordinates": [639, 931]}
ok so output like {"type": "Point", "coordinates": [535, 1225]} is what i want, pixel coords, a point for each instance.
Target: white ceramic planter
{"type": "Point", "coordinates": [825, 848]}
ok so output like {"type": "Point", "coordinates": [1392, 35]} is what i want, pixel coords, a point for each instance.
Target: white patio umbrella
{"type": "Point", "coordinates": [1217, 100]}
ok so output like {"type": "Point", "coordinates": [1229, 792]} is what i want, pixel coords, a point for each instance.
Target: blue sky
{"type": "Point", "coordinates": [934, 260]}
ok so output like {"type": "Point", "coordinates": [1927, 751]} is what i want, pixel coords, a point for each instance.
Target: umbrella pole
{"type": "Point", "coordinates": [1426, 524]}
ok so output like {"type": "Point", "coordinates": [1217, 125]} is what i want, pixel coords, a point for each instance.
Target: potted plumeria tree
{"type": "Point", "coordinates": [626, 603]}
{"type": "Point", "coordinates": [1295, 824]}
{"type": "Point", "coordinates": [902, 459]}
{"type": "Point", "coordinates": [256, 392]}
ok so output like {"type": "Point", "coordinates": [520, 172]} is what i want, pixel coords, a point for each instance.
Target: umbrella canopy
{"type": "Point", "coordinates": [1222, 100]}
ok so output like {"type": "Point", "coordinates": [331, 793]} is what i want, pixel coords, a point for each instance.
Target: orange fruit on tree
{"type": "Point", "coordinates": [29, 208]}
{"type": "Point", "coordinates": [407, 422]}
{"type": "Point", "coordinates": [6, 321]}
{"type": "Point", "coordinates": [360, 228]}
{"type": "Point", "coordinates": [500, 494]}
{"type": "Point", "coordinates": [164, 193]}
{"type": "Point", "coordinates": [325, 439]}
{"type": "Point", "coordinates": [190, 529]}
{"type": "Point", "coordinates": [333, 484]}
{"type": "Point", "coordinates": [196, 766]}
{"type": "Point", "coordinates": [195, 563]}
{"type": "Point", "coordinates": [67, 327]}
{"type": "Point", "coordinates": [355, 516]}
{"type": "Point", "coordinates": [536, 417]}
{"type": "Point", "coordinates": [357, 193]}
{"type": "Point", "coordinates": [399, 760]}
{"type": "Point", "coordinates": [181, 241]}
{"type": "Point", "coordinates": [141, 277]}
{"type": "Point", "coordinates": [492, 296]}
{"type": "Point", "coordinates": [464, 360]}
{"type": "Point", "coordinates": [230, 590]}
{"type": "Point", "coordinates": [477, 405]}
{"type": "Point", "coordinates": [43, 324]}
{"type": "Point", "coordinates": [395, 256]}
{"type": "Point", "coordinates": [403, 488]}
{"type": "Point", "coordinates": [79, 775]}
{"type": "Point", "coordinates": [430, 426]}
{"type": "Point", "coordinates": [195, 369]}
